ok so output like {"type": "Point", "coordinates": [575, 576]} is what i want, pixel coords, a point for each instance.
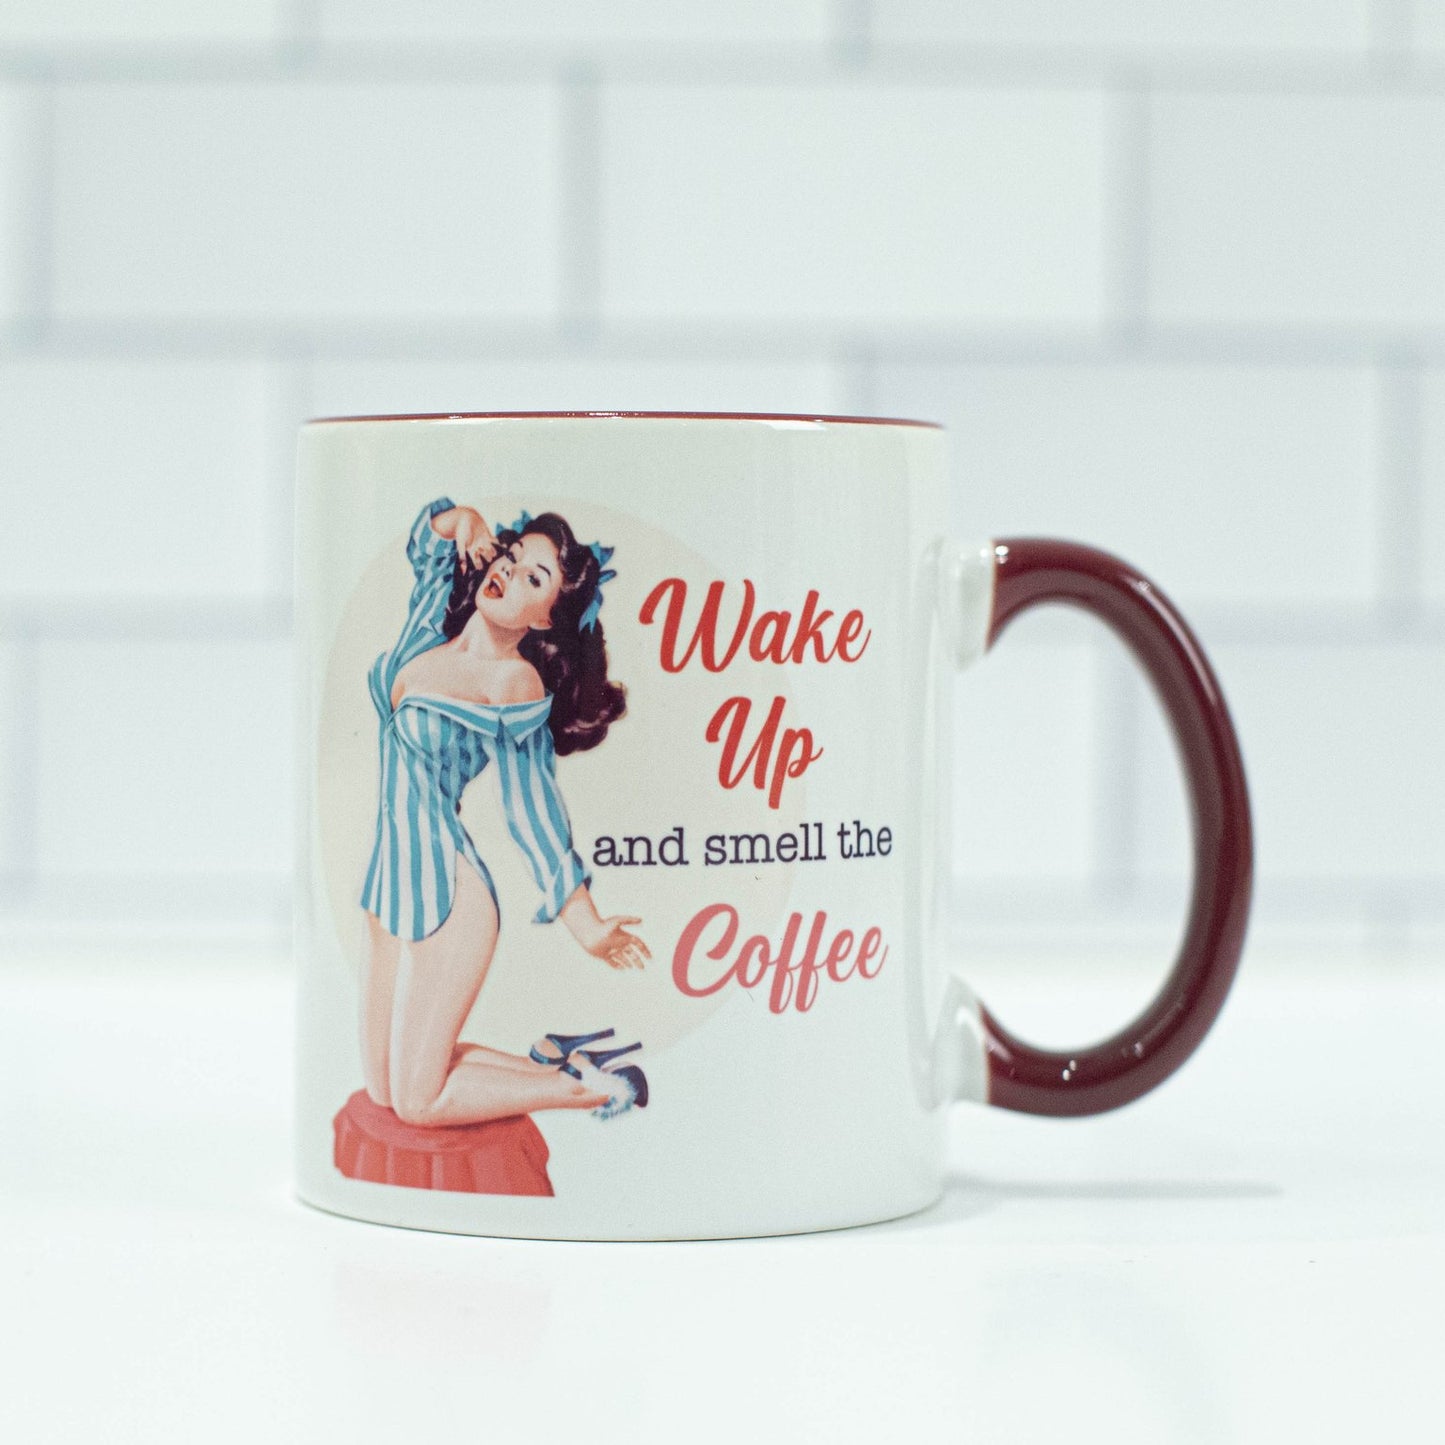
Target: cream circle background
{"type": "Point", "coordinates": [653, 771]}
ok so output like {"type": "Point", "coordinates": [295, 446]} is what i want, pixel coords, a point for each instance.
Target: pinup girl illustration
{"type": "Point", "coordinates": [501, 665]}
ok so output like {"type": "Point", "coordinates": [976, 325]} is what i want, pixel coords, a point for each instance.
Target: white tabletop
{"type": "Point", "coordinates": [1255, 1252]}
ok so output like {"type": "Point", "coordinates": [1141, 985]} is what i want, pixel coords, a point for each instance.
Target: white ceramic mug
{"type": "Point", "coordinates": [622, 907]}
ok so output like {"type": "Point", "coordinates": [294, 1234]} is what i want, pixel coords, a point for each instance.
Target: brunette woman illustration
{"type": "Point", "coordinates": [501, 663]}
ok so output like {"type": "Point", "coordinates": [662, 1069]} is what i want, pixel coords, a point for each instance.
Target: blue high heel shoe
{"type": "Point", "coordinates": [626, 1087]}
{"type": "Point", "coordinates": [633, 1093]}
{"type": "Point", "coordinates": [637, 1079]}
{"type": "Point", "coordinates": [600, 1058]}
{"type": "Point", "coordinates": [566, 1044]}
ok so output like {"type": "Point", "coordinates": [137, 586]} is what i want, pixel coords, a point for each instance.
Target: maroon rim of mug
{"type": "Point", "coordinates": [631, 415]}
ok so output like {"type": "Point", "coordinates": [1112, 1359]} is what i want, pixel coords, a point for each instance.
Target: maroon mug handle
{"type": "Point", "coordinates": [1033, 570]}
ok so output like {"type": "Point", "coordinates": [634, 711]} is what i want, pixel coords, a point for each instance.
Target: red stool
{"type": "Point", "coordinates": [505, 1156]}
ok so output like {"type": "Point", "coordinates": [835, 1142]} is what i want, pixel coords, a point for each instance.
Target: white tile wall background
{"type": "Point", "coordinates": [1174, 272]}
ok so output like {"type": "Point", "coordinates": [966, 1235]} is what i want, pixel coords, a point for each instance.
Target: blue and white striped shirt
{"type": "Point", "coordinates": [431, 748]}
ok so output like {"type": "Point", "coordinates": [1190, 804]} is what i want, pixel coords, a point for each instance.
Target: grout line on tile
{"type": "Point", "coordinates": [857, 371]}
{"type": "Point", "coordinates": [801, 338]}
{"type": "Point", "coordinates": [216, 897]}
{"type": "Point", "coordinates": [159, 619]}
{"type": "Point", "coordinates": [299, 45]}
{"type": "Point", "coordinates": [20, 768]}
{"type": "Point", "coordinates": [288, 403]}
{"type": "Point", "coordinates": [1399, 495]}
{"type": "Point", "coordinates": [37, 204]}
{"type": "Point", "coordinates": [851, 24]}
{"type": "Point", "coordinates": [579, 217]}
{"type": "Point", "coordinates": [395, 61]}
{"type": "Point", "coordinates": [1127, 243]}
{"type": "Point", "coordinates": [1392, 33]}
{"type": "Point", "coordinates": [1388, 920]}
{"type": "Point", "coordinates": [268, 615]}
{"type": "Point", "coordinates": [1299, 900]}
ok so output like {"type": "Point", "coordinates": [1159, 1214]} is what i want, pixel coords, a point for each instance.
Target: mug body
{"type": "Point", "coordinates": [767, 803]}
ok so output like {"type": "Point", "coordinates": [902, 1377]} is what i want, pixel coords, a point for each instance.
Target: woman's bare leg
{"type": "Point", "coordinates": [436, 985]}
{"type": "Point", "coordinates": [378, 988]}
{"type": "Point", "coordinates": [495, 1058]}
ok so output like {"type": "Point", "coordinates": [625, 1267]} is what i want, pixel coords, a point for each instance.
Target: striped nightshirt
{"type": "Point", "coordinates": [431, 748]}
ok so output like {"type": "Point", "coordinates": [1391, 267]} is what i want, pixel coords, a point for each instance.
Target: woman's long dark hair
{"type": "Point", "coordinates": [571, 663]}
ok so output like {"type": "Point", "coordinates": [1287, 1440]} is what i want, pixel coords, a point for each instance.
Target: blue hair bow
{"type": "Point", "coordinates": [605, 573]}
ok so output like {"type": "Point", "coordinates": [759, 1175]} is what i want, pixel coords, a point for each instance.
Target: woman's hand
{"type": "Point", "coordinates": [604, 938]}
{"type": "Point", "coordinates": [618, 947]}
{"type": "Point", "coordinates": [476, 546]}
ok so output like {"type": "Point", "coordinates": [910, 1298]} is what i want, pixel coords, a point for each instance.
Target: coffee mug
{"type": "Point", "coordinates": [624, 865]}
